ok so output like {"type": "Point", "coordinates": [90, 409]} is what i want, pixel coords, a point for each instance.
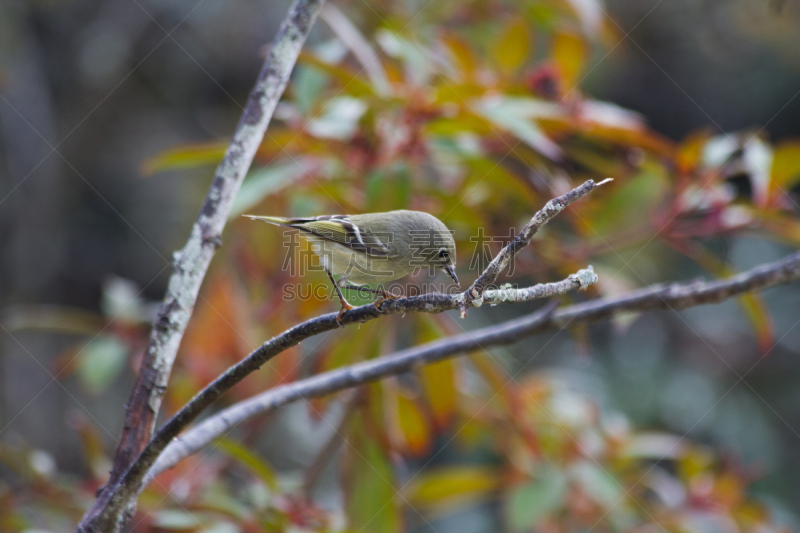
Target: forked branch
{"type": "Point", "coordinates": [669, 296]}
{"type": "Point", "coordinates": [428, 303]}
{"type": "Point", "coordinates": [115, 502]}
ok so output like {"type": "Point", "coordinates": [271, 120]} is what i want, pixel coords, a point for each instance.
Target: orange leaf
{"type": "Point", "coordinates": [438, 382]}
{"type": "Point", "coordinates": [690, 152]}
{"type": "Point", "coordinates": [217, 332]}
{"type": "Point", "coordinates": [463, 55]}
{"type": "Point", "coordinates": [409, 427]}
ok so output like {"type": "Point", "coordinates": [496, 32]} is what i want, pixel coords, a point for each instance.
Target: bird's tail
{"type": "Point", "coordinates": [278, 221]}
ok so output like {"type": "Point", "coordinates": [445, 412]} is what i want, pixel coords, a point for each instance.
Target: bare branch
{"type": "Point", "coordinates": [542, 217]}
{"type": "Point", "coordinates": [427, 303]}
{"type": "Point", "coordinates": [191, 264]}
{"type": "Point", "coordinates": [669, 296]}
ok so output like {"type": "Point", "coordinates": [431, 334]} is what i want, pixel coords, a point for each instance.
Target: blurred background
{"type": "Point", "coordinates": [112, 118]}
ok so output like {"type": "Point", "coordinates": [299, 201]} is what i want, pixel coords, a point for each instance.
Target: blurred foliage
{"type": "Point", "coordinates": [474, 113]}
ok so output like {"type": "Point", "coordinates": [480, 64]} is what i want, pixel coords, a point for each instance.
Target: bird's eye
{"type": "Point", "coordinates": [444, 254]}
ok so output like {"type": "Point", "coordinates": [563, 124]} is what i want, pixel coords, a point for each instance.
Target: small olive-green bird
{"type": "Point", "coordinates": [375, 247]}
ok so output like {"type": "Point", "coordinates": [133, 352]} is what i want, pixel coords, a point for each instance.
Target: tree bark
{"type": "Point", "coordinates": [115, 503]}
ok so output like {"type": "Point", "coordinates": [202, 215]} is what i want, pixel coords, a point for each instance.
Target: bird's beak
{"type": "Point", "coordinates": [452, 272]}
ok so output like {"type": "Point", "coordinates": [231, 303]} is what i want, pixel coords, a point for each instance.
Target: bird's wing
{"type": "Point", "coordinates": [339, 229]}
{"type": "Point", "coordinates": [335, 228]}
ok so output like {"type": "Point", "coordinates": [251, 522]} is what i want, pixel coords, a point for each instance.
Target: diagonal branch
{"type": "Point", "coordinates": [542, 217]}
{"type": "Point", "coordinates": [126, 487]}
{"type": "Point", "coordinates": [191, 264]}
{"type": "Point", "coordinates": [428, 303]}
{"type": "Point", "coordinates": [668, 296]}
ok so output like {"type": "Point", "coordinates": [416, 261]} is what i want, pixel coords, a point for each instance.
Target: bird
{"type": "Point", "coordinates": [374, 247]}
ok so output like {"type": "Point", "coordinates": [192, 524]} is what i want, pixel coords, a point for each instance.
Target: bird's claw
{"type": "Point", "coordinates": [345, 307]}
{"type": "Point", "coordinates": [385, 296]}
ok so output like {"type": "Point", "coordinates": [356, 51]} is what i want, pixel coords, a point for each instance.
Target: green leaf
{"type": "Point", "coordinates": [516, 114]}
{"type": "Point", "coordinates": [452, 486]}
{"type": "Point", "coordinates": [100, 362]}
{"type": "Point", "coordinates": [187, 156]}
{"type": "Point", "coordinates": [309, 82]}
{"type": "Point", "coordinates": [529, 504]}
{"type": "Point", "coordinates": [249, 459]}
{"type": "Point", "coordinates": [339, 119]}
{"type": "Point", "coordinates": [598, 484]}
{"type": "Point", "coordinates": [350, 81]}
{"type": "Point", "coordinates": [388, 190]}
{"type": "Point", "coordinates": [513, 47]}
{"type": "Point", "coordinates": [418, 64]}
{"type": "Point", "coordinates": [173, 519]}
{"type": "Point", "coordinates": [371, 497]}
{"type": "Point", "coordinates": [263, 182]}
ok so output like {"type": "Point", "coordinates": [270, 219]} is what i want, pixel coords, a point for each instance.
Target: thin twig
{"type": "Point", "coordinates": [115, 503]}
{"type": "Point", "coordinates": [542, 217]}
{"type": "Point", "coordinates": [669, 296]}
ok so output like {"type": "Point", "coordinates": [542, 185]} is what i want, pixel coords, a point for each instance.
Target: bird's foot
{"type": "Point", "coordinates": [385, 295]}
{"type": "Point", "coordinates": [345, 307]}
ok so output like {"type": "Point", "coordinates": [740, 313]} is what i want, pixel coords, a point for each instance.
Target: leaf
{"type": "Point", "coordinates": [528, 504]}
{"type": "Point", "coordinates": [174, 519]}
{"type": "Point", "coordinates": [753, 305]}
{"type": "Point", "coordinates": [351, 82]}
{"type": "Point", "coordinates": [598, 484]}
{"type": "Point", "coordinates": [418, 65]}
{"type": "Point", "coordinates": [785, 171]}
{"type": "Point", "coordinates": [569, 54]}
{"type": "Point", "coordinates": [438, 379]}
{"type": "Point", "coordinates": [439, 384]}
{"type": "Point", "coordinates": [249, 459]}
{"type": "Point", "coordinates": [186, 156]}
{"type": "Point", "coordinates": [630, 203]}
{"type": "Point", "coordinates": [370, 493]}
{"type": "Point", "coordinates": [590, 13]}
{"type": "Point", "coordinates": [339, 119]}
{"type": "Point", "coordinates": [655, 446]}
{"type": "Point", "coordinates": [452, 486]}
{"type": "Point", "coordinates": [215, 335]}
{"type": "Point", "coordinates": [515, 115]}
{"type": "Point", "coordinates": [211, 153]}
{"type": "Point", "coordinates": [100, 362]}
{"type": "Point", "coordinates": [690, 152]}
{"type": "Point", "coordinates": [465, 60]}
{"type": "Point", "coordinates": [513, 47]}
{"type": "Point", "coordinates": [412, 424]}
{"type": "Point", "coordinates": [263, 182]}
{"type": "Point", "coordinates": [389, 189]}
{"type": "Point", "coordinates": [309, 84]}
{"type": "Point", "coordinates": [757, 161]}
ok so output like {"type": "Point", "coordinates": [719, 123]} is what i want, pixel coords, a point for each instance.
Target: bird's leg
{"type": "Point", "coordinates": [345, 305]}
{"type": "Point", "coordinates": [385, 295]}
